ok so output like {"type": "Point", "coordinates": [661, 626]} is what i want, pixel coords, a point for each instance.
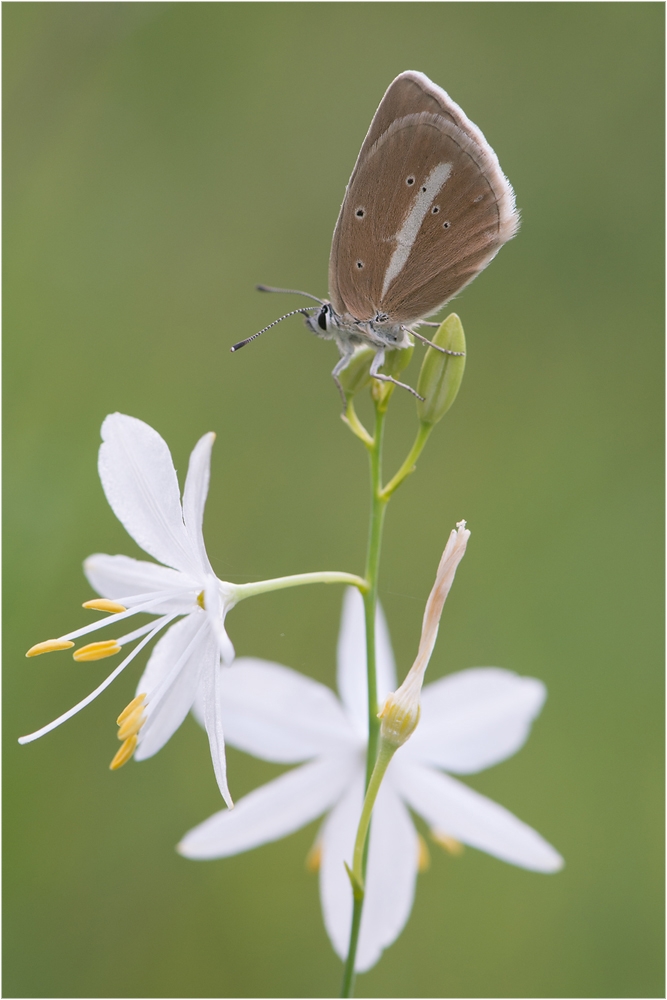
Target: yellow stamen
{"type": "Point", "coordinates": [314, 858]}
{"type": "Point", "coordinates": [129, 709]}
{"type": "Point", "coordinates": [132, 724]}
{"type": "Point", "coordinates": [450, 844]}
{"type": "Point", "coordinates": [49, 646]}
{"type": "Point", "coordinates": [102, 604]}
{"type": "Point", "coordinates": [124, 754]}
{"type": "Point", "coordinates": [423, 855]}
{"type": "Point", "coordinates": [97, 650]}
{"type": "Point", "coordinates": [200, 600]}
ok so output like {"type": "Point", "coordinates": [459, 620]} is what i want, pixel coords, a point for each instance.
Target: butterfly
{"type": "Point", "coordinates": [426, 209]}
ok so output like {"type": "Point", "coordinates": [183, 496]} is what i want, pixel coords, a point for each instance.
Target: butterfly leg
{"type": "Point", "coordinates": [425, 340]}
{"type": "Point", "coordinates": [346, 351]}
{"type": "Point", "coordinates": [377, 363]}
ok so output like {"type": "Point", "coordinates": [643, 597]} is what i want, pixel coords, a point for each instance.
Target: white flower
{"type": "Point", "coordinates": [141, 486]}
{"type": "Point", "coordinates": [469, 721]}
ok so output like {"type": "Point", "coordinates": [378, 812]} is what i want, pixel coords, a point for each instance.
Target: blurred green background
{"type": "Point", "coordinates": [159, 160]}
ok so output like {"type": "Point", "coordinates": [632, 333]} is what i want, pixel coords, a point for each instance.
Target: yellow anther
{"type": "Point", "coordinates": [49, 646]}
{"type": "Point", "coordinates": [314, 858]}
{"type": "Point", "coordinates": [124, 754]}
{"type": "Point", "coordinates": [101, 604]}
{"type": "Point", "coordinates": [132, 724]}
{"type": "Point", "coordinates": [423, 854]}
{"type": "Point", "coordinates": [450, 844]}
{"type": "Point", "coordinates": [129, 709]}
{"type": "Point", "coordinates": [200, 600]}
{"type": "Point", "coordinates": [97, 650]}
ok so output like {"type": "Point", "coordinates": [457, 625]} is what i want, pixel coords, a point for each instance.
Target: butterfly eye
{"type": "Point", "coordinates": [435, 210]}
{"type": "Point", "coordinates": [322, 319]}
{"type": "Point", "coordinates": [360, 213]}
{"type": "Point", "coordinates": [410, 181]}
{"type": "Point", "coordinates": [445, 225]}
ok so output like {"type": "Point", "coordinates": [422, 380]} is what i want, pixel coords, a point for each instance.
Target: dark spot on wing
{"type": "Point", "coordinates": [360, 212]}
{"type": "Point", "coordinates": [445, 225]}
{"type": "Point", "coordinates": [435, 210]}
{"type": "Point", "coordinates": [360, 264]}
{"type": "Point", "coordinates": [410, 181]}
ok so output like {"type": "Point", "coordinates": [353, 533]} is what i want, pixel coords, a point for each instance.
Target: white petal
{"type": "Point", "coordinates": [270, 812]}
{"type": "Point", "coordinates": [216, 611]}
{"type": "Point", "coordinates": [194, 496]}
{"type": "Point", "coordinates": [352, 660]}
{"type": "Point", "coordinates": [120, 576]}
{"type": "Point", "coordinates": [140, 483]}
{"type": "Point", "coordinates": [170, 681]}
{"type": "Point", "coordinates": [168, 650]}
{"type": "Point", "coordinates": [278, 714]}
{"type": "Point", "coordinates": [211, 675]}
{"type": "Point", "coordinates": [390, 880]}
{"type": "Point", "coordinates": [451, 808]}
{"type": "Point", "coordinates": [475, 718]}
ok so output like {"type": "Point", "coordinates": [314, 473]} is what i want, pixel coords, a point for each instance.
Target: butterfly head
{"type": "Point", "coordinates": [322, 323]}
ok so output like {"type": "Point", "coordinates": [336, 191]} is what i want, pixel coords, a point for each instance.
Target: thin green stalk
{"type": "Point", "coordinates": [379, 754]}
{"type": "Point", "coordinates": [378, 507]}
{"type": "Point", "coordinates": [386, 752]}
{"type": "Point", "coordinates": [347, 989]}
{"type": "Point", "coordinates": [408, 466]}
{"type": "Point", "coordinates": [358, 874]}
{"type": "Point", "coordinates": [243, 590]}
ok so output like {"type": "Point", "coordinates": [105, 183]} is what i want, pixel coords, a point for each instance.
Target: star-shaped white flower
{"type": "Point", "coordinates": [469, 721]}
{"type": "Point", "coordinates": [141, 485]}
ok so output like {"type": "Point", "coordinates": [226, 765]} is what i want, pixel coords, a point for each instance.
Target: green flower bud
{"type": "Point", "coordinates": [395, 361]}
{"type": "Point", "coordinates": [356, 376]}
{"type": "Point", "coordinates": [441, 374]}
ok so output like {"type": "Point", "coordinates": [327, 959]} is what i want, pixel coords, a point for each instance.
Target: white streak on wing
{"type": "Point", "coordinates": [407, 234]}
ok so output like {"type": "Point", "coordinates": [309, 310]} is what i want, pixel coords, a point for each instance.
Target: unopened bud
{"type": "Point", "coordinates": [441, 374]}
{"type": "Point", "coordinates": [357, 376]}
{"type": "Point", "coordinates": [401, 710]}
{"type": "Point", "coordinates": [400, 713]}
{"type": "Point", "coordinates": [397, 360]}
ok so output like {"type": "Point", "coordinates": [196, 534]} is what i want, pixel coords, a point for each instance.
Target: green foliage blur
{"type": "Point", "coordinates": [162, 158]}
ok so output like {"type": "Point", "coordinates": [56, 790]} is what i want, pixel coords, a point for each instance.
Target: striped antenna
{"type": "Point", "coordinates": [304, 312]}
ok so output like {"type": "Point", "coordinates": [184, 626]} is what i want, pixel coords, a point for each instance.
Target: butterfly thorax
{"type": "Point", "coordinates": [379, 332]}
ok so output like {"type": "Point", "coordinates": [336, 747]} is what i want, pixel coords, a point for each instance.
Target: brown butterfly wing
{"type": "Point", "coordinates": [426, 208]}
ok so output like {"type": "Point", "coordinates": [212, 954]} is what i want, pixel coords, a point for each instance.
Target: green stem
{"type": "Point", "coordinates": [378, 507]}
{"type": "Point", "coordinates": [347, 988]}
{"type": "Point", "coordinates": [243, 590]}
{"type": "Point", "coordinates": [354, 423]}
{"type": "Point", "coordinates": [408, 466]}
{"type": "Point", "coordinates": [385, 753]}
